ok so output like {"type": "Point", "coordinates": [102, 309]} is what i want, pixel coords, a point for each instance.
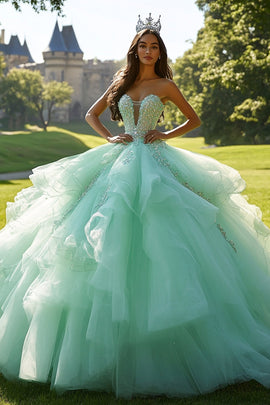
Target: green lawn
{"type": "Point", "coordinates": [23, 151]}
{"type": "Point", "coordinates": [14, 393]}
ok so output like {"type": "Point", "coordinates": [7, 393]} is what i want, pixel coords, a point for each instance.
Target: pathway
{"type": "Point", "coordinates": [15, 175]}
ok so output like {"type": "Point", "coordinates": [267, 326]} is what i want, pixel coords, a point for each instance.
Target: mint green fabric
{"type": "Point", "coordinates": [136, 269]}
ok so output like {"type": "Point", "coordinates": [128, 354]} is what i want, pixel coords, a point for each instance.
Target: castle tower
{"type": "Point", "coordinates": [14, 53]}
{"type": "Point", "coordinates": [63, 60]}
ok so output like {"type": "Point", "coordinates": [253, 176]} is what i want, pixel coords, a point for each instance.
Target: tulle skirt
{"type": "Point", "coordinates": [135, 269]}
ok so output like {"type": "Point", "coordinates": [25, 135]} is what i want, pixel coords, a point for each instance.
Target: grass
{"type": "Point", "coordinates": [23, 150]}
{"type": "Point", "coordinates": [37, 148]}
{"type": "Point", "coordinates": [20, 393]}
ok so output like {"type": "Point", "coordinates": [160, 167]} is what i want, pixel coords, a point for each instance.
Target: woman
{"type": "Point", "coordinates": [147, 73]}
{"type": "Point", "coordinates": [136, 267]}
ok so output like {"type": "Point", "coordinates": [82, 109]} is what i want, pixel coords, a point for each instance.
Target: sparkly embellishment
{"type": "Point", "coordinates": [103, 199]}
{"type": "Point", "coordinates": [90, 185]}
{"type": "Point", "coordinates": [199, 193]}
{"type": "Point", "coordinates": [227, 239]}
{"type": "Point", "coordinates": [130, 156]}
{"type": "Point", "coordinates": [157, 148]}
{"type": "Point", "coordinates": [150, 109]}
{"type": "Point", "coordinates": [149, 23]}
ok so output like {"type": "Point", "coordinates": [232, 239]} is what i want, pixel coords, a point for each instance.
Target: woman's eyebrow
{"type": "Point", "coordinates": [143, 42]}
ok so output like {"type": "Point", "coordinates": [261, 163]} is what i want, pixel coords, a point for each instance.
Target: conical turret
{"type": "Point", "coordinates": [57, 43]}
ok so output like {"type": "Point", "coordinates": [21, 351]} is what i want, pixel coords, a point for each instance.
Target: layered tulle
{"type": "Point", "coordinates": [137, 269]}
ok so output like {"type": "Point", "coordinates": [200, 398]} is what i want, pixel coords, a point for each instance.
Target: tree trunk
{"type": "Point", "coordinates": [50, 112]}
{"type": "Point", "coordinates": [43, 122]}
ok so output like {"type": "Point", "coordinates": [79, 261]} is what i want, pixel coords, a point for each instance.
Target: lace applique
{"type": "Point", "coordinates": [103, 198]}
{"type": "Point", "coordinates": [157, 148]}
{"type": "Point", "coordinates": [199, 193]}
{"type": "Point", "coordinates": [90, 185]}
{"type": "Point", "coordinates": [227, 239]}
{"type": "Point", "coordinates": [130, 156]}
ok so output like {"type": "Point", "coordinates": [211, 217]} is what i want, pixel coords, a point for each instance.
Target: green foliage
{"type": "Point", "coordinates": [54, 94]}
{"type": "Point", "coordinates": [226, 73]}
{"type": "Point", "coordinates": [19, 90]}
{"type": "Point", "coordinates": [39, 5]}
{"type": "Point", "coordinates": [2, 64]}
{"type": "Point", "coordinates": [24, 92]}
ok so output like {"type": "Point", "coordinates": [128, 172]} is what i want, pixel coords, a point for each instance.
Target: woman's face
{"type": "Point", "coordinates": [148, 49]}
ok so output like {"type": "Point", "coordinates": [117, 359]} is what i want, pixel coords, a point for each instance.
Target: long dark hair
{"type": "Point", "coordinates": [125, 77]}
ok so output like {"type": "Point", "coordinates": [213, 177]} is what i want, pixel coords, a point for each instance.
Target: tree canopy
{"type": "Point", "coordinates": [39, 5]}
{"type": "Point", "coordinates": [225, 75]}
{"type": "Point", "coordinates": [24, 92]}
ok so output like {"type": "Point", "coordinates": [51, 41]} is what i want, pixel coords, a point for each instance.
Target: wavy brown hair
{"type": "Point", "coordinates": [125, 77]}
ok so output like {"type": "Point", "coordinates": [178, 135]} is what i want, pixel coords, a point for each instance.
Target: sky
{"type": "Point", "coordinates": [104, 28]}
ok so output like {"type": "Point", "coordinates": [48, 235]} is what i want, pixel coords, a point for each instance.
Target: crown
{"type": "Point", "coordinates": [148, 23]}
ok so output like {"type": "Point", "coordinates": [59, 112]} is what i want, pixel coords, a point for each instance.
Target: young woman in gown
{"type": "Point", "coordinates": [136, 268]}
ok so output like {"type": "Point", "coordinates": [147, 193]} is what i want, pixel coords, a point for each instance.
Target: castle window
{"type": "Point", "coordinates": [62, 76]}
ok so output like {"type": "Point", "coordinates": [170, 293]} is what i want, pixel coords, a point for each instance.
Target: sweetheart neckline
{"type": "Point", "coordinates": [140, 105]}
{"type": "Point", "coordinates": [140, 101]}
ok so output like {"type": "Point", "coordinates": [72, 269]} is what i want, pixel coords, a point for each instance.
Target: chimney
{"type": "Point", "coordinates": [2, 37]}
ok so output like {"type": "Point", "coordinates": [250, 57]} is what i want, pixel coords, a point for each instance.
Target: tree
{"type": "Point", "coordinates": [227, 71]}
{"type": "Point", "coordinates": [23, 92]}
{"type": "Point", "coordinates": [18, 91]}
{"type": "Point", "coordinates": [39, 5]}
{"type": "Point", "coordinates": [54, 94]}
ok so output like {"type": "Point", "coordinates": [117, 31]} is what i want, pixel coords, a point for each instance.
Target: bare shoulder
{"type": "Point", "coordinates": [171, 89]}
{"type": "Point", "coordinates": [167, 90]}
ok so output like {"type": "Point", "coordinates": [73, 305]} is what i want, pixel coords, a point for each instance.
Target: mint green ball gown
{"type": "Point", "coordinates": [136, 269]}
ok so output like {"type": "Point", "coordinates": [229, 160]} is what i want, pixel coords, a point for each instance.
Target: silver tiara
{"type": "Point", "coordinates": [149, 23]}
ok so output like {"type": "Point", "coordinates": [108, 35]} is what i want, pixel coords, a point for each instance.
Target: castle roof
{"type": "Point", "coordinates": [56, 43]}
{"type": "Point", "coordinates": [14, 47]}
{"type": "Point", "coordinates": [27, 52]}
{"type": "Point", "coordinates": [64, 41]}
{"type": "Point", "coordinates": [70, 39]}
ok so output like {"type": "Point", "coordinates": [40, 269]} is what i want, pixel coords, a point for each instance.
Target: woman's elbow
{"type": "Point", "coordinates": [198, 122]}
{"type": "Point", "coordinates": [88, 116]}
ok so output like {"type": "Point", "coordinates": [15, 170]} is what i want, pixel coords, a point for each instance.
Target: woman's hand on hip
{"type": "Point", "coordinates": [121, 138]}
{"type": "Point", "coordinates": [153, 136]}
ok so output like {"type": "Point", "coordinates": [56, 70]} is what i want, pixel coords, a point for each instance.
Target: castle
{"type": "Point", "coordinates": [63, 61]}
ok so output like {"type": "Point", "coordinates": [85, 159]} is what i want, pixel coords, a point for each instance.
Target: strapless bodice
{"type": "Point", "coordinates": [150, 110]}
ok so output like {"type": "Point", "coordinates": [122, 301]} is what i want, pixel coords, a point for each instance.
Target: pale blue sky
{"type": "Point", "coordinates": [105, 28]}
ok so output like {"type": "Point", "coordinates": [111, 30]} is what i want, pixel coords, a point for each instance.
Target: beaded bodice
{"type": "Point", "coordinates": [140, 117]}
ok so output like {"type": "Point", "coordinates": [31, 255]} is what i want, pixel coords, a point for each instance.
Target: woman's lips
{"type": "Point", "coordinates": [148, 57]}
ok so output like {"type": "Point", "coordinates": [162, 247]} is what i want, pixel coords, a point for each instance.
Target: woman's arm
{"type": "Point", "coordinates": [92, 118]}
{"type": "Point", "coordinates": [193, 121]}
